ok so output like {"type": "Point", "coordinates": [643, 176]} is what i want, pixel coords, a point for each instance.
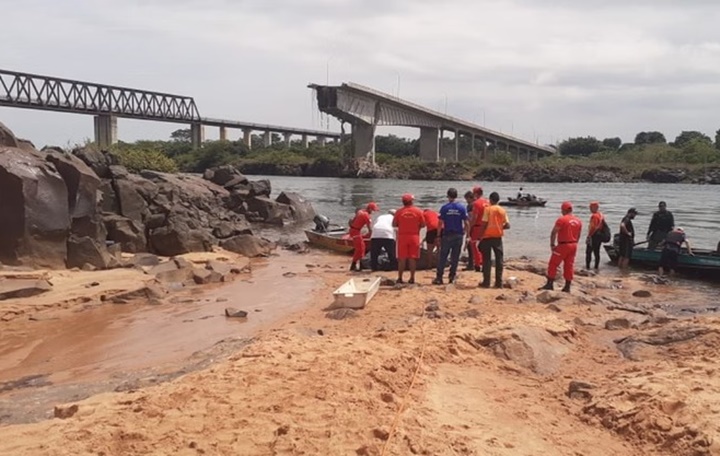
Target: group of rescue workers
{"type": "Point", "coordinates": [482, 222]}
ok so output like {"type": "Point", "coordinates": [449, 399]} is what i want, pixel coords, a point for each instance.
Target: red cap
{"type": "Point", "coordinates": [594, 204]}
{"type": "Point", "coordinates": [373, 207]}
{"type": "Point", "coordinates": [566, 206]}
{"type": "Point", "coordinates": [477, 190]}
{"type": "Point", "coordinates": [407, 198]}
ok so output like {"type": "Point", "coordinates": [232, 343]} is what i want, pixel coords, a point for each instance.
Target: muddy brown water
{"type": "Point", "coordinates": [108, 339]}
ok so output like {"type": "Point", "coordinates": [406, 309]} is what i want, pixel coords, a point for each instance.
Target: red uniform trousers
{"type": "Point", "coordinates": [565, 254]}
{"type": "Point", "coordinates": [474, 240]}
{"type": "Point", "coordinates": [358, 245]}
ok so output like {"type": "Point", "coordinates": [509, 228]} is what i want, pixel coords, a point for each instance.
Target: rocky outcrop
{"type": "Point", "coordinates": [73, 209]}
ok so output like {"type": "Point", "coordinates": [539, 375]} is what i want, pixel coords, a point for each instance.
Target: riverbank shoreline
{"type": "Point", "coordinates": [616, 368]}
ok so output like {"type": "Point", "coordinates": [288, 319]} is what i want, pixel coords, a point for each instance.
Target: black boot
{"type": "Point", "coordinates": [548, 285]}
{"type": "Point", "coordinates": [566, 288]}
{"type": "Point", "coordinates": [353, 266]}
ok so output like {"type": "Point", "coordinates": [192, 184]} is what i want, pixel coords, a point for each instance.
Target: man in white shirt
{"type": "Point", "coordinates": [383, 238]}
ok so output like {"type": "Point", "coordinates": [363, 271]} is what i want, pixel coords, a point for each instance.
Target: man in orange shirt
{"type": "Point", "coordinates": [594, 241]}
{"type": "Point", "coordinates": [408, 220]}
{"type": "Point", "coordinates": [566, 231]}
{"type": "Point", "coordinates": [362, 219]}
{"type": "Point", "coordinates": [492, 227]}
{"type": "Point", "coordinates": [432, 223]}
{"type": "Point", "coordinates": [476, 216]}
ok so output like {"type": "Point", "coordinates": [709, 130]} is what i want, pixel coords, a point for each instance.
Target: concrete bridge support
{"type": "Point", "coordinates": [305, 142]}
{"type": "Point", "coordinates": [287, 137]}
{"type": "Point", "coordinates": [247, 137]}
{"type": "Point", "coordinates": [429, 144]}
{"type": "Point", "coordinates": [320, 140]}
{"type": "Point", "coordinates": [364, 138]}
{"type": "Point", "coordinates": [105, 131]}
{"type": "Point", "coordinates": [267, 139]}
{"type": "Point", "coordinates": [223, 134]}
{"type": "Point", "coordinates": [197, 134]}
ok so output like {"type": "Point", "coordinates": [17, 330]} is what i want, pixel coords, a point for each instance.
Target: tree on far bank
{"type": "Point", "coordinates": [650, 137]}
{"type": "Point", "coordinates": [181, 135]}
{"type": "Point", "coordinates": [580, 146]}
{"type": "Point", "coordinates": [717, 139]}
{"type": "Point", "coordinates": [686, 137]}
{"type": "Point", "coordinates": [612, 143]}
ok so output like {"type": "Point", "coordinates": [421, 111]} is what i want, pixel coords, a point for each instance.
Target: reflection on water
{"type": "Point", "coordinates": [696, 208]}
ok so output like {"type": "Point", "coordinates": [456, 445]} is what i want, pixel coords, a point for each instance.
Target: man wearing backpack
{"type": "Point", "coordinates": [598, 233]}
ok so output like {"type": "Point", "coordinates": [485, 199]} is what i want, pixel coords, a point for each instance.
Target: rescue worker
{"type": "Point", "coordinates": [363, 218]}
{"type": "Point", "coordinates": [469, 199]}
{"type": "Point", "coordinates": [671, 250]}
{"type": "Point", "coordinates": [566, 232]}
{"type": "Point", "coordinates": [475, 220]}
{"type": "Point", "coordinates": [383, 238]}
{"type": "Point", "coordinates": [594, 241]}
{"type": "Point", "coordinates": [408, 220]}
{"type": "Point", "coordinates": [627, 239]}
{"type": "Point", "coordinates": [661, 224]}
{"type": "Point", "coordinates": [453, 225]}
{"type": "Point", "coordinates": [492, 228]}
{"type": "Point", "coordinates": [431, 228]}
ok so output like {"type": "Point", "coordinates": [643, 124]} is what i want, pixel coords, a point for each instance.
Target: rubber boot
{"type": "Point", "coordinates": [548, 285]}
{"type": "Point", "coordinates": [353, 267]}
{"type": "Point", "coordinates": [566, 288]}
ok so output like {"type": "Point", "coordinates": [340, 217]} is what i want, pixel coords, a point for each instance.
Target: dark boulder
{"type": "Point", "coordinates": [178, 238]}
{"type": "Point", "coordinates": [248, 245]}
{"type": "Point", "coordinates": [85, 250]}
{"type": "Point", "coordinates": [260, 188]}
{"type": "Point", "coordinates": [269, 211]}
{"type": "Point", "coordinates": [96, 160]}
{"type": "Point", "coordinates": [663, 176]}
{"type": "Point", "coordinates": [7, 137]}
{"type": "Point", "coordinates": [126, 232]}
{"type": "Point", "coordinates": [300, 209]}
{"type": "Point", "coordinates": [35, 219]}
{"type": "Point", "coordinates": [223, 175]}
{"type": "Point", "coordinates": [132, 204]}
{"type": "Point", "coordinates": [225, 230]}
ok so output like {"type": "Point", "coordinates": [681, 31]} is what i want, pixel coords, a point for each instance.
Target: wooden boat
{"type": "Point", "coordinates": [703, 261]}
{"type": "Point", "coordinates": [337, 240]}
{"type": "Point", "coordinates": [355, 293]}
{"type": "Point", "coordinates": [514, 202]}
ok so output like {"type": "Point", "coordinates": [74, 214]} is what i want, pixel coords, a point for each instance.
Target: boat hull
{"type": "Point", "coordinates": [511, 202]}
{"type": "Point", "coordinates": [704, 261]}
{"type": "Point", "coordinates": [338, 241]}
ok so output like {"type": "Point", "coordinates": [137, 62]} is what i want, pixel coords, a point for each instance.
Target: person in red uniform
{"type": "Point", "coordinates": [567, 233]}
{"type": "Point", "coordinates": [476, 216]}
{"type": "Point", "coordinates": [409, 220]}
{"type": "Point", "coordinates": [362, 219]}
{"type": "Point", "coordinates": [432, 223]}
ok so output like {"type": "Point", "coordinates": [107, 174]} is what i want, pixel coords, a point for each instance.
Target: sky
{"type": "Point", "coordinates": [541, 70]}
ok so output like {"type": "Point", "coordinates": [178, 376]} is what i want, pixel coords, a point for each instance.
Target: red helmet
{"type": "Point", "coordinates": [372, 207]}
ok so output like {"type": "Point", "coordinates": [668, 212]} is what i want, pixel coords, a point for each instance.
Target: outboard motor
{"type": "Point", "coordinates": [321, 223]}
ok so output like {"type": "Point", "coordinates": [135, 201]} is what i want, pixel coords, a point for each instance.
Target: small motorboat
{"type": "Point", "coordinates": [338, 240]}
{"type": "Point", "coordinates": [522, 202]}
{"type": "Point", "coordinates": [702, 262]}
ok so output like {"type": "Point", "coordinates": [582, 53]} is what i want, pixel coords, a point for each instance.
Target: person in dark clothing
{"type": "Point", "coordinates": [494, 223]}
{"type": "Point", "coordinates": [470, 200]}
{"type": "Point", "coordinates": [671, 250]}
{"type": "Point", "coordinates": [627, 238]}
{"type": "Point", "coordinates": [661, 224]}
{"type": "Point", "coordinates": [453, 225]}
{"type": "Point", "coordinates": [594, 238]}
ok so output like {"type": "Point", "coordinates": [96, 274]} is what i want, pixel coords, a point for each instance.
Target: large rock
{"type": "Point", "coordinates": [126, 232]}
{"type": "Point", "coordinates": [248, 245]}
{"type": "Point", "coordinates": [85, 250]}
{"type": "Point", "coordinates": [96, 160]}
{"type": "Point", "coordinates": [268, 211]}
{"type": "Point", "coordinates": [300, 208]}
{"type": "Point", "coordinates": [223, 175]}
{"type": "Point", "coordinates": [22, 288]}
{"type": "Point", "coordinates": [177, 239]}
{"type": "Point", "coordinates": [132, 204]}
{"type": "Point", "coordinates": [7, 137]}
{"type": "Point", "coordinates": [35, 217]}
{"type": "Point", "coordinates": [260, 188]}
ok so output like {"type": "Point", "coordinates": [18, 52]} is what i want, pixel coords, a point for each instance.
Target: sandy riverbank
{"type": "Point", "coordinates": [486, 373]}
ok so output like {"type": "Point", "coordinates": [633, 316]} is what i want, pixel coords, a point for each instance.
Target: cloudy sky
{"type": "Point", "coordinates": [541, 70]}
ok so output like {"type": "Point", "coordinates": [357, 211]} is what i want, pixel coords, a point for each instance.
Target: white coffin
{"type": "Point", "coordinates": [355, 293]}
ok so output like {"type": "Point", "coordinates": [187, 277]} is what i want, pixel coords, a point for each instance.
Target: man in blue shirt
{"type": "Point", "coordinates": [453, 226]}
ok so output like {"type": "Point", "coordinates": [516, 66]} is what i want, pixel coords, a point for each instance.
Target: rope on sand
{"type": "Point", "coordinates": [401, 407]}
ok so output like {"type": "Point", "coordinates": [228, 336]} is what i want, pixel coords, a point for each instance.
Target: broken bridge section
{"type": "Point", "coordinates": [366, 109]}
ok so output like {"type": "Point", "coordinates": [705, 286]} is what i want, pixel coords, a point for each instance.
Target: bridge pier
{"type": "Point", "coordinates": [267, 139]}
{"type": "Point", "coordinates": [223, 134]}
{"type": "Point", "coordinates": [287, 137]}
{"type": "Point", "coordinates": [364, 138]}
{"type": "Point", "coordinates": [305, 142]}
{"type": "Point", "coordinates": [247, 137]}
{"type": "Point", "coordinates": [429, 144]}
{"type": "Point", "coordinates": [197, 134]}
{"type": "Point", "coordinates": [105, 130]}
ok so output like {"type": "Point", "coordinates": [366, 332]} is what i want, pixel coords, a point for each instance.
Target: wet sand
{"type": "Point", "coordinates": [488, 372]}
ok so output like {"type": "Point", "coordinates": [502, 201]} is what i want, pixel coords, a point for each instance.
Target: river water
{"type": "Point", "coordinates": [696, 207]}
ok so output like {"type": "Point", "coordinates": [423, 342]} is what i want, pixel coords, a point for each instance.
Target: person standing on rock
{"type": "Point", "coordinates": [409, 220]}
{"type": "Point", "coordinates": [362, 219]}
{"type": "Point", "coordinates": [566, 232]}
{"type": "Point", "coordinates": [383, 238]}
{"type": "Point", "coordinates": [476, 217]}
{"type": "Point", "coordinates": [453, 225]}
{"type": "Point", "coordinates": [661, 224]}
{"type": "Point", "coordinates": [470, 200]}
{"type": "Point", "coordinates": [492, 228]}
{"type": "Point", "coordinates": [594, 237]}
{"type": "Point", "coordinates": [627, 239]}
